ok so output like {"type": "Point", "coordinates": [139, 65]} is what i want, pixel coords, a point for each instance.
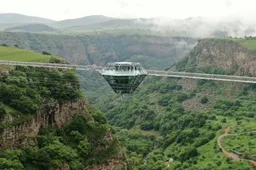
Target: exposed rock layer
{"type": "Point", "coordinates": [54, 114]}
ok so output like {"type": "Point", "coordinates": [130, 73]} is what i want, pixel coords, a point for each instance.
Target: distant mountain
{"type": "Point", "coordinates": [32, 28]}
{"type": "Point", "coordinates": [119, 24]}
{"type": "Point", "coordinates": [12, 18]}
{"type": "Point", "coordinates": [88, 20]}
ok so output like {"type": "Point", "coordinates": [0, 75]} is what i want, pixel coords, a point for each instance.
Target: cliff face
{"type": "Point", "coordinates": [225, 54]}
{"type": "Point", "coordinates": [151, 51]}
{"type": "Point", "coordinates": [62, 116]}
{"type": "Point", "coordinates": [51, 115]}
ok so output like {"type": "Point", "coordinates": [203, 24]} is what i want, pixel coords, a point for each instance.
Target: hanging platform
{"type": "Point", "coordinates": [124, 77]}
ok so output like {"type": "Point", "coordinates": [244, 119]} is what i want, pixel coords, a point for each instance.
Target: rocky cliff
{"type": "Point", "coordinates": [226, 54]}
{"type": "Point", "coordinates": [53, 114]}
{"type": "Point", "coordinates": [39, 112]}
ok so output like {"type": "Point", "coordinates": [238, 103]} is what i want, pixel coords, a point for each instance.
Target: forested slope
{"type": "Point", "coordinates": [152, 51]}
{"type": "Point", "coordinates": [181, 119]}
{"type": "Point", "coordinates": [46, 122]}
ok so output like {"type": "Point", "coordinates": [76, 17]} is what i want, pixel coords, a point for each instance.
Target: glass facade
{"type": "Point", "coordinates": [124, 77]}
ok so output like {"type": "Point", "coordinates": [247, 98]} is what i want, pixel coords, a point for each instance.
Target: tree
{"type": "Point", "coordinates": [4, 45]}
{"type": "Point", "coordinates": [84, 148]}
{"type": "Point", "coordinates": [46, 53]}
{"type": "Point", "coordinates": [204, 100]}
{"type": "Point", "coordinates": [10, 164]}
{"type": "Point", "coordinates": [2, 110]}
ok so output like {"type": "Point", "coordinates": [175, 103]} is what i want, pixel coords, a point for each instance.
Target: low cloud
{"type": "Point", "coordinates": [202, 27]}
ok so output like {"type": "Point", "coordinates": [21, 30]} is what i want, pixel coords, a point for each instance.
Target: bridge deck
{"type": "Point", "coordinates": [230, 78]}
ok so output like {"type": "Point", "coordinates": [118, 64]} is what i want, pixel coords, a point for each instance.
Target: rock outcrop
{"type": "Point", "coordinates": [53, 114]}
{"type": "Point", "coordinates": [226, 54]}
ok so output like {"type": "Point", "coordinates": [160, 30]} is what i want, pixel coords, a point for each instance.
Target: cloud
{"type": "Point", "coordinates": [201, 27]}
{"type": "Point", "coordinates": [131, 8]}
{"type": "Point", "coordinates": [123, 4]}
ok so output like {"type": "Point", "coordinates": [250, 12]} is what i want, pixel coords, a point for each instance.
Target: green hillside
{"type": "Point", "coordinates": [32, 28]}
{"type": "Point", "coordinates": [250, 44]}
{"type": "Point", "coordinates": [16, 54]}
{"type": "Point", "coordinates": [165, 117]}
{"type": "Point", "coordinates": [182, 119]}
{"type": "Point", "coordinates": [14, 18]}
{"type": "Point", "coordinates": [28, 94]}
{"type": "Point", "coordinates": [155, 52]}
{"type": "Point", "coordinates": [93, 19]}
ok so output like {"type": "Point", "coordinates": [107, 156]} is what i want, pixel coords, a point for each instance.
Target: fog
{"type": "Point", "coordinates": [203, 27]}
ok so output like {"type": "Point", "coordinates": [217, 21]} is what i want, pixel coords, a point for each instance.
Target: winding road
{"type": "Point", "coordinates": [232, 155]}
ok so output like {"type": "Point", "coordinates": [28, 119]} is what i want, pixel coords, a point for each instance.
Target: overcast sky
{"type": "Point", "coordinates": [63, 9]}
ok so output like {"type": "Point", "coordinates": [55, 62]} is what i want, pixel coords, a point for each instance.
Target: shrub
{"type": "Point", "coordinates": [147, 126]}
{"type": "Point", "coordinates": [2, 110]}
{"type": "Point", "coordinates": [4, 45]}
{"type": "Point", "coordinates": [204, 100]}
{"type": "Point", "coordinates": [46, 53]}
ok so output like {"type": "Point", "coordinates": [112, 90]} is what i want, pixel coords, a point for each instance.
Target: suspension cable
{"type": "Point", "coordinates": [218, 77]}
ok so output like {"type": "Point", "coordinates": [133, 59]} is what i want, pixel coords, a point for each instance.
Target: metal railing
{"type": "Point", "coordinates": [217, 77]}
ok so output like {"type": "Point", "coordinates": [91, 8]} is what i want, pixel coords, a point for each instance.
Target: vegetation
{"type": "Point", "coordinates": [32, 28]}
{"type": "Point", "coordinates": [249, 44]}
{"type": "Point", "coordinates": [75, 145]}
{"type": "Point", "coordinates": [100, 48]}
{"type": "Point", "coordinates": [155, 124]}
{"type": "Point", "coordinates": [243, 143]}
{"type": "Point", "coordinates": [31, 88]}
{"type": "Point", "coordinates": [204, 100]}
{"type": "Point", "coordinates": [23, 92]}
{"type": "Point", "coordinates": [163, 120]}
{"type": "Point", "coordinates": [46, 53]}
{"type": "Point", "coordinates": [15, 54]}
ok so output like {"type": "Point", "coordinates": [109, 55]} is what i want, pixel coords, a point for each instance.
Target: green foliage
{"type": "Point", "coordinates": [2, 110]}
{"type": "Point", "coordinates": [31, 28]}
{"type": "Point", "coordinates": [73, 145]}
{"type": "Point", "coordinates": [249, 43]}
{"type": "Point", "coordinates": [204, 100]}
{"type": "Point", "coordinates": [181, 65]}
{"type": "Point", "coordinates": [187, 154]}
{"type": "Point", "coordinates": [78, 124]}
{"type": "Point", "coordinates": [184, 134]}
{"type": "Point", "coordinates": [46, 53]}
{"type": "Point", "coordinates": [16, 54]}
{"type": "Point", "coordinates": [7, 164]}
{"type": "Point", "coordinates": [30, 87]}
{"type": "Point", "coordinates": [4, 45]}
{"type": "Point", "coordinates": [10, 159]}
{"type": "Point", "coordinates": [243, 143]}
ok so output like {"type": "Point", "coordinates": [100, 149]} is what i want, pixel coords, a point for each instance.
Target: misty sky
{"type": "Point", "coordinates": [63, 9]}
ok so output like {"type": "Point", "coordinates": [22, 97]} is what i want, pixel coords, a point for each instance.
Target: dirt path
{"type": "Point", "coordinates": [253, 163]}
{"type": "Point", "coordinates": [228, 154]}
{"type": "Point", "coordinates": [231, 154]}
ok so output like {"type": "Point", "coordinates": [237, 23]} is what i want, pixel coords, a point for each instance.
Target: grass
{"type": "Point", "coordinates": [210, 157]}
{"type": "Point", "coordinates": [244, 143]}
{"type": "Point", "coordinates": [16, 54]}
{"type": "Point", "coordinates": [248, 44]}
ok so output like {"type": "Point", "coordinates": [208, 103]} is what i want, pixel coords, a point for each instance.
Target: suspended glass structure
{"type": "Point", "coordinates": [124, 77]}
